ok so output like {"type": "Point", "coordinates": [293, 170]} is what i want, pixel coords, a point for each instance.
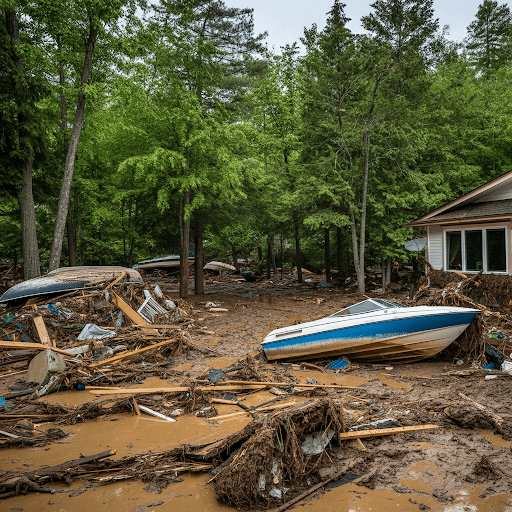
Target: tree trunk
{"type": "Point", "coordinates": [298, 256]}
{"type": "Point", "coordinates": [31, 263]}
{"type": "Point", "coordinates": [260, 259]}
{"type": "Point", "coordinates": [327, 248]}
{"type": "Point", "coordinates": [234, 256]}
{"type": "Point", "coordinates": [199, 259]}
{"type": "Point", "coordinates": [132, 247]}
{"type": "Point", "coordinates": [184, 244]}
{"type": "Point", "coordinates": [63, 204]}
{"type": "Point", "coordinates": [341, 255]}
{"type": "Point", "coordinates": [359, 247]}
{"type": "Point", "coordinates": [388, 270]}
{"type": "Point", "coordinates": [72, 225]}
{"type": "Point", "coordinates": [282, 257]}
{"type": "Point", "coordinates": [269, 257]}
{"type": "Point", "coordinates": [80, 245]}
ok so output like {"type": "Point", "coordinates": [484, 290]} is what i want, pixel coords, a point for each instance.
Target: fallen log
{"type": "Point", "coordinates": [496, 420]}
{"type": "Point", "coordinates": [31, 480]}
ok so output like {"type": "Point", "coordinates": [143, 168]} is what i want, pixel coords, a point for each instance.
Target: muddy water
{"type": "Point", "coordinates": [129, 434]}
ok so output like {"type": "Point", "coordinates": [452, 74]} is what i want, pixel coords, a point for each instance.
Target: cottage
{"type": "Point", "coordinates": [473, 232]}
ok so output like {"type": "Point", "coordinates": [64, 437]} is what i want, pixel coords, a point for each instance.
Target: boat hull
{"type": "Point", "coordinates": [67, 279]}
{"type": "Point", "coordinates": [398, 339]}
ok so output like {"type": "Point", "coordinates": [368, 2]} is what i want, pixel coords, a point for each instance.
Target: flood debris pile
{"type": "Point", "coordinates": [282, 456]}
{"type": "Point", "coordinates": [462, 292]}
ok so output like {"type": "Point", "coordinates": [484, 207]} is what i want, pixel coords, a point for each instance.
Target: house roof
{"type": "Point", "coordinates": [472, 205]}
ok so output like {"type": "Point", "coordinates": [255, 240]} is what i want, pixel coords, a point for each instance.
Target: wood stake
{"type": "Point", "coordinates": [131, 313]}
{"type": "Point", "coordinates": [384, 431]}
{"type": "Point", "coordinates": [42, 333]}
{"type": "Point", "coordinates": [130, 353]}
{"type": "Point", "coordinates": [136, 406]}
{"type": "Point", "coordinates": [117, 279]}
{"type": "Point", "coordinates": [33, 346]}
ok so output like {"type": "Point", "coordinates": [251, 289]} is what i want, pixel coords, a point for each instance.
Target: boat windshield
{"type": "Point", "coordinates": [367, 306]}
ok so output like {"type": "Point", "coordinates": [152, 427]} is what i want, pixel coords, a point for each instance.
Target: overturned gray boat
{"type": "Point", "coordinates": [67, 279]}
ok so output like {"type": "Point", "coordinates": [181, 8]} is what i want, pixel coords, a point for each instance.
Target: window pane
{"type": "Point", "coordinates": [496, 250]}
{"type": "Point", "coordinates": [453, 240]}
{"type": "Point", "coordinates": [474, 253]}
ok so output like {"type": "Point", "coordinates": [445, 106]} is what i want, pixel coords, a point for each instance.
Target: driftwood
{"type": "Point", "coordinates": [32, 479]}
{"type": "Point", "coordinates": [496, 420]}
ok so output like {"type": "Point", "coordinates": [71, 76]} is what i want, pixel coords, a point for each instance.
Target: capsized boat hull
{"type": "Point", "coordinates": [405, 334]}
{"type": "Point", "coordinates": [67, 279]}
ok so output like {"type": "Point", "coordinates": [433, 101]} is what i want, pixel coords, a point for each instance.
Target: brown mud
{"type": "Point", "coordinates": [462, 466]}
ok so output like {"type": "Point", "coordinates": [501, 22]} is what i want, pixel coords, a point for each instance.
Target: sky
{"type": "Point", "coordinates": [284, 20]}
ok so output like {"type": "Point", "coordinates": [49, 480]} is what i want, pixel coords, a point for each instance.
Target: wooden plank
{"type": "Point", "coordinates": [12, 373]}
{"type": "Point", "coordinates": [131, 313]}
{"type": "Point", "coordinates": [117, 279]}
{"type": "Point", "coordinates": [297, 385]}
{"type": "Point", "coordinates": [385, 431]}
{"type": "Point", "coordinates": [42, 333]}
{"type": "Point", "coordinates": [130, 353]}
{"type": "Point", "coordinates": [136, 406]}
{"type": "Point", "coordinates": [33, 346]}
{"type": "Point", "coordinates": [136, 391]}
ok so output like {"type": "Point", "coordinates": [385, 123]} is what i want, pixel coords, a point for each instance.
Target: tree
{"type": "Point", "coordinates": [22, 119]}
{"type": "Point", "coordinates": [97, 15]}
{"type": "Point", "coordinates": [488, 40]}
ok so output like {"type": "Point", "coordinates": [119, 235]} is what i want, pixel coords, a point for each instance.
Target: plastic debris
{"type": "Point", "coordinates": [315, 443]}
{"type": "Point", "coordinates": [9, 317]}
{"type": "Point", "coordinates": [155, 413]}
{"type": "Point", "coordinates": [386, 422]}
{"type": "Point", "coordinates": [338, 364]}
{"type": "Point", "coordinates": [506, 366]}
{"type": "Point", "coordinates": [3, 403]}
{"type": "Point", "coordinates": [55, 311]}
{"type": "Point", "coordinates": [93, 332]}
{"type": "Point", "coordinates": [215, 374]}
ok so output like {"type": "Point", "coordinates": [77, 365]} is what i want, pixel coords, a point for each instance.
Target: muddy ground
{"type": "Point", "coordinates": [462, 466]}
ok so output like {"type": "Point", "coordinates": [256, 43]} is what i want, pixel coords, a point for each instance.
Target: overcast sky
{"type": "Point", "coordinates": [284, 20]}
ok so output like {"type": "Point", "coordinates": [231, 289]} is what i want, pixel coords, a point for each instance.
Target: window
{"type": "Point", "coordinates": [471, 250]}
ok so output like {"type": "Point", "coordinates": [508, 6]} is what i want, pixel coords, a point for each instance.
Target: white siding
{"type": "Point", "coordinates": [435, 247]}
{"type": "Point", "coordinates": [504, 191]}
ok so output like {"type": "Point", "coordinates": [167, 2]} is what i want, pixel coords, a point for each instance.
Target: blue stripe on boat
{"type": "Point", "coordinates": [378, 330]}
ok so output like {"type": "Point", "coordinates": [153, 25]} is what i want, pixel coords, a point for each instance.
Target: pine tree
{"type": "Point", "coordinates": [488, 40]}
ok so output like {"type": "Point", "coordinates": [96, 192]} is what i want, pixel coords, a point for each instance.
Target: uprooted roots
{"type": "Point", "coordinates": [272, 461]}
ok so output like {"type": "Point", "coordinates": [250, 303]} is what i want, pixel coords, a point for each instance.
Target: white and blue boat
{"type": "Point", "coordinates": [373, 330]}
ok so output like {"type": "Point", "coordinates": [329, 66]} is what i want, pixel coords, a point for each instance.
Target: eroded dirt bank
{"type": "Point", "coordinates": [463, 465]}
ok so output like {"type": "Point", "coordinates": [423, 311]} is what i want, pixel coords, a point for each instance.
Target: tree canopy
{"type": "Point", "coordinates": [130, 130]}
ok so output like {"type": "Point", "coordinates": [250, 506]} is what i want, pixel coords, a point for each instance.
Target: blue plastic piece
{"type": "Point", "coordinates": [338, 364]}
{"type": "Point", "coordinates": [489, 367]}
{"type": "Point", "coordinates": [54, 310]}
{"type": "Point", "coordinates": [3, 403]}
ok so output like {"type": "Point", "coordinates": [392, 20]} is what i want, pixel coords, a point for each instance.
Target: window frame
{"type": "Point", "coordinates": [483, 230]}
